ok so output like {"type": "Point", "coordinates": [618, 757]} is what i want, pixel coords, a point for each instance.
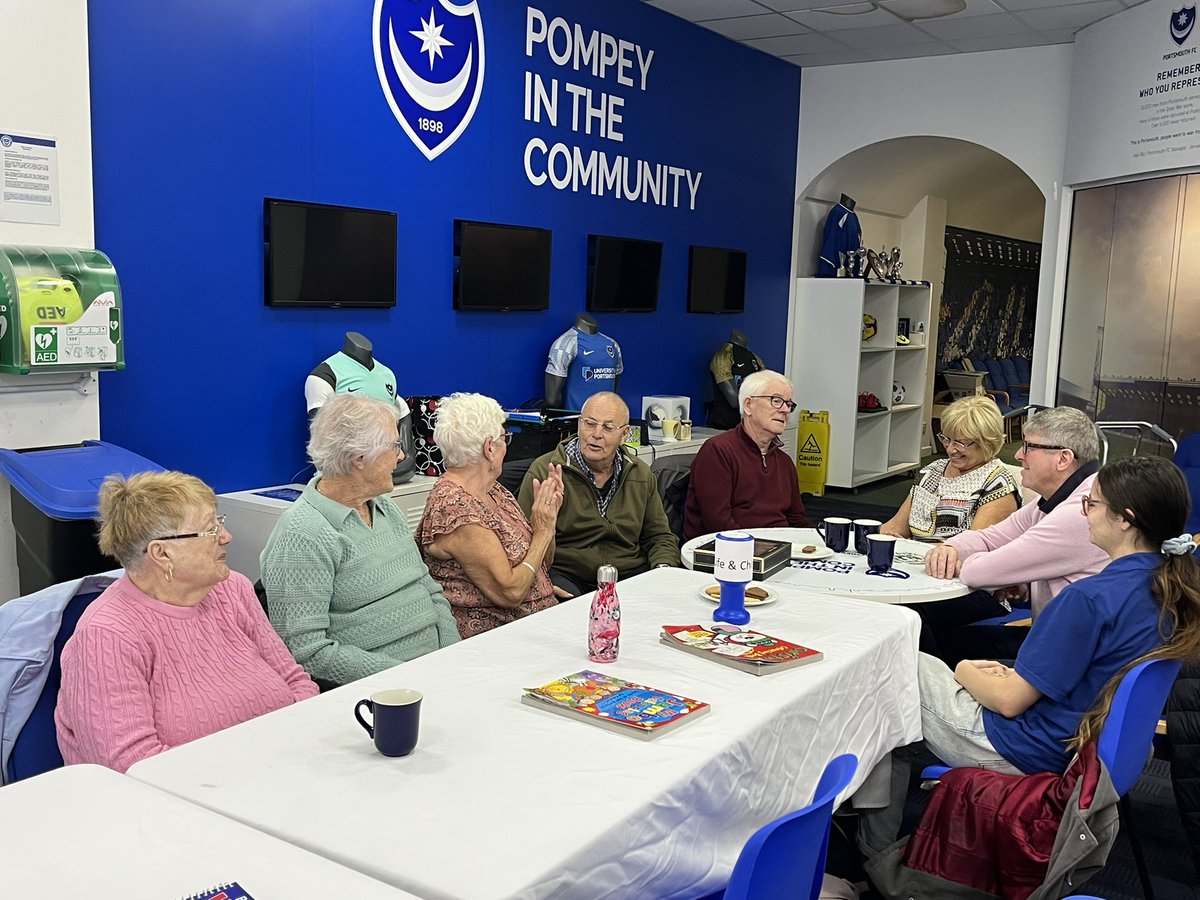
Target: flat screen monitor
{"type": "Point", "coordinates": [716, 280]}
{"type": "Point", "coordinates": [500, 267]}
{"type": "Point", "coordinates": [328, 256]}
{"type": "Point", "coordinates": [623, 274]}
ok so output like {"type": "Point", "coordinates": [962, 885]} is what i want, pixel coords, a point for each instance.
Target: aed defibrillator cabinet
{"type": "Point", "coordinates": [60, 311]}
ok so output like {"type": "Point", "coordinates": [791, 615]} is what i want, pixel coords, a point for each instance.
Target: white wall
{"type": "Point", "coordinates": [1014, 102]}
{"type": "Point", "coordinates": [45, 92]}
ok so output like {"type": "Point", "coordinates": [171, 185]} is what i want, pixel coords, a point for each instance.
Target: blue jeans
{"type": "Point", "coordinates": [952, 720]}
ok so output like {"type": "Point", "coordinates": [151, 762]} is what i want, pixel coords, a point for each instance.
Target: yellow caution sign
{"type": "Point", "coordinates": [812, 441]}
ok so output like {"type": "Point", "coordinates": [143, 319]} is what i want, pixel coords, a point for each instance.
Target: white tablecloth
{"type": "Point", "coordinates": [85, 831]}
{"type": "Point", "coordinates": [501, 800]}
{"type": "Point", "coordinates": [853, 581]}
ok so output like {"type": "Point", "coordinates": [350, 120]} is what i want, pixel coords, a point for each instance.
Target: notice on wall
{"type": "Point", "coordinates": [596, 75]}
{"type": "Point", "coordinates": [1135, 94]}
{"type": "Point", "coordinates": [28, 179]}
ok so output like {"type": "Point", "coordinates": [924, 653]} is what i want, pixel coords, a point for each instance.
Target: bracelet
{"type": "Point", "coordinates": [530, 568]}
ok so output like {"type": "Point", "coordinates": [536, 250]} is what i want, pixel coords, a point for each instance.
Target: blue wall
{"type": "Point", "coordinates": [201, 110]}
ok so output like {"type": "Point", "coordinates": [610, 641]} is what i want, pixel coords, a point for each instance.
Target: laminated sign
{"type": "Point", "coordinates": [812, 442]}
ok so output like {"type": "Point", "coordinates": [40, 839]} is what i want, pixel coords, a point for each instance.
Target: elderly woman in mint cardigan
{"type": "Point", "coordinates": [346, 588]}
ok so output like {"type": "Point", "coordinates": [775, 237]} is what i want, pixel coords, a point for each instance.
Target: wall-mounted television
{"type": "Point", "coordinates": [500, 267]}
{"type": "Point", "coordinates": [333, 256]}
{"type": "Point", "coordinates": [623, 274]}
{"type": "Point", "coordinates": [716, 280]}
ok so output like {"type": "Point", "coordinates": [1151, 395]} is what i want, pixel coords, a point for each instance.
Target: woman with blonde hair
{"type": "Point", "coordinates": [1144, 605]}
{"type": "Point", "coordinates": [968, 490]}
{"type": "Point", "coordinates": [179, 646]}
{"type": "Point", "coordinates": [492, 563]}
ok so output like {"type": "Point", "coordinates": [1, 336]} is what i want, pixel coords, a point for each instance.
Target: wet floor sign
{"type": "Point", "coordinates": [812, 441]}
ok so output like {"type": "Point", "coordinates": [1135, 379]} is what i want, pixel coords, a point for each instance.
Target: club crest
{"type": "Point", "coordinates": [429, 55]}
{"type": "Point", "coordinates": [1182, 21]}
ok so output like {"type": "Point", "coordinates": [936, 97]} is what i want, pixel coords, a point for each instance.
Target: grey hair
{"type": "Point", "coordinates": [755, 383]}
{"type": "Point", "coordinates": [1069, 428]}
{"type": "Point", "coordinates": [464, 422]}
{"type": "Point", "coordinates": [347, 426]}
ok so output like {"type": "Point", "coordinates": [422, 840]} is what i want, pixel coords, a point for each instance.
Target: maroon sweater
{"type": "Point", "coordinates": [733, 485]}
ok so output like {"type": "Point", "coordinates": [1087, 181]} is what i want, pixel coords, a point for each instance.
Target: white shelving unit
{"type": "Point", "coordinates": [830, 365]}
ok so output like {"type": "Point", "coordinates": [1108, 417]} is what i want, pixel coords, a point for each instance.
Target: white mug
{"type": "Point", "coordinates": [670, 429]}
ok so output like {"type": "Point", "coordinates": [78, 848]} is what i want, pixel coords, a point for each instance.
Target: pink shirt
{"type": "Point", "coordinates": [140, 676]}
{"type": "Point", "coordinates": [1048, 550]}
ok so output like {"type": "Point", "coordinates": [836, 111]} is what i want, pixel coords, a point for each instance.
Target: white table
{"type": "Point", "coordinates": [85, 831]}
{"type": "Point", "coordinates": [917, 588]}
{"type": "Point", "coordinates": [501, 800]}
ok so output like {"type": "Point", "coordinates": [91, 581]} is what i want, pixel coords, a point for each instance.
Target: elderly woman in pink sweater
{"type": "Point", "coordinates": [177, 648]}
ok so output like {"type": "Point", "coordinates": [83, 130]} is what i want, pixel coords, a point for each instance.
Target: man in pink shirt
{"type": "Point", "coordinates": [1039, 549]}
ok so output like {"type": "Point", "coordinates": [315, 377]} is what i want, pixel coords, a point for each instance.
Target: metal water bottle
{"type": "Point", "coordinates": [604, 620]}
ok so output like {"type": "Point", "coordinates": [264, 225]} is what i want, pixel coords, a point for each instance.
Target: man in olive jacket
{"type": "Point", "coordinates": [611, 511]}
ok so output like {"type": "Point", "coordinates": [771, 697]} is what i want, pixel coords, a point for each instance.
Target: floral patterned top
{"type": "Point", "coordinates": [943, 506]}
{"type": "Point", "coordinates": [450, 506]}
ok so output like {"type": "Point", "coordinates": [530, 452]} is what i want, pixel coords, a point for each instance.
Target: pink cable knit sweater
{"type": "Point", "coordinates": [140, 676]}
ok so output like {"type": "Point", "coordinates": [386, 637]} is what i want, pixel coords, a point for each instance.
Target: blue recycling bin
{"type": "Point", "coordinates": [54, 505]}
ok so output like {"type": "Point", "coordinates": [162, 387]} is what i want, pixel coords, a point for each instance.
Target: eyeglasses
{"type": "Point", "coordinates": [607, 427]}
{"type": "Point", "coordinates": [211, 533]}
{"type": "Point", "coordinates": [398, 446]}
{"type": "Point", "coordinates": [949, 442]}
{"type": "Point", "coordinates": [777, 402]}
{"type": "Point", "coordinates": [1026, 447]}
{"type": "Point", "coordinates": [505, 436]}
{"type": "Point", "coordinates": [1088, 503]}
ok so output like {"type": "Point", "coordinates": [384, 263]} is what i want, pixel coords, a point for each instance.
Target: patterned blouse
{"type": "Point", "coordinates": [943, 506]}
{"type": "Point", "coordinates": [451, 505]}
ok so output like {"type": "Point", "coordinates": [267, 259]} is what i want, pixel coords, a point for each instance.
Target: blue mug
{"type": "Point", "coordinates": [862, 528]}
{"type": "Point", "coordinates": [395, 720]}
{"type": "Point", "coordinates": [835, 532]}
{"type": "Point", "coordinates": [881, 551]}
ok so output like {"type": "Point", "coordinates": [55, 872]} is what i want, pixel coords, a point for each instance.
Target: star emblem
{"type": "Point", "coordinates": [1183, 18]}
{"type": "Point", "coordinates": [432, 41]}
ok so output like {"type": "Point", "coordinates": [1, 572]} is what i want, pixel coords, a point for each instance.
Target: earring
{"type": "Point", "coordinates": [170, 572]}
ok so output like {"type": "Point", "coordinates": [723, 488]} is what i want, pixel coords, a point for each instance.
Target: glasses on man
{"type": "Point", "coordinates": [951, 443]}
{"type": "Point", "coordinates": [214, 533]}
{"type": "Point", "coordinates": [777, 402]}
{"type": "Point", "coordinates": [1026, 446]}
{"type": "Point", "coordinates": [505, 436]}
{"type": "Point", "coordinates": [607, 427]}
{"type": "Point", "coordinates": [1088, 503]}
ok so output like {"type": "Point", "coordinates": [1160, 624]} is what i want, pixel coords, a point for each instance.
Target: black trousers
{"type": "Point", "coordinates": [943, 622]}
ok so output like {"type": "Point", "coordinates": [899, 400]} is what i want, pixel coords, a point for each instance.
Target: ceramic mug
{"type": "Point", "coordinates": [836, 533]}
{"type": "Point", "coordinates": [863, 528]}
{"type": "Point", "coordinates": [881, 552]}
{"type": "Point", "coordinates": [685, 429]}
{"type": "Point", "coordinates": [395, 720]}
{"type": "Point", "coordinates": [670, 429]}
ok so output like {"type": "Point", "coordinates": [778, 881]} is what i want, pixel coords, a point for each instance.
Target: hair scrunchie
{"type": "Point", "coordinates": [1178, 546]}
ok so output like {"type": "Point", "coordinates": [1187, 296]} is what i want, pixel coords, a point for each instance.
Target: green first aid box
{"type": "Point", "coordinates": [60, 310]}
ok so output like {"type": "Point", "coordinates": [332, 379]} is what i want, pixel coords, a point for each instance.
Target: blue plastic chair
{"type": "Point", "coordinates": [781, 858]}
{"type": "Point", "coordinates": [1187, 457]}
{"type": "Point", "coordinates": [1125, 741]}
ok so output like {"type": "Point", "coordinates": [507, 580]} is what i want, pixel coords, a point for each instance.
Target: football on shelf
{"type": "Point", "coordinates": [898, 393]}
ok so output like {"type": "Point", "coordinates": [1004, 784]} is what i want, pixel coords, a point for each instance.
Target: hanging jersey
{"type": "Point", "coordinates": [732, 362]}
{"type": "Point", "coordinates": [842, 233]}
{"type": "Point", "coordinates": [591, 363]}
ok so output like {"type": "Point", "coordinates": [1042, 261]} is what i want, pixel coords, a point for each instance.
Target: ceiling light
{"type": "Point", "coordinates": [908, 10]}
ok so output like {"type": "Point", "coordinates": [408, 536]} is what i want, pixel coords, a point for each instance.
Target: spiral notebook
{"type": "Point", "coordinates": [228, 891]}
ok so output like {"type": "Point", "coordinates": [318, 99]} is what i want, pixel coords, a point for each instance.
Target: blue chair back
{"type": "Point", "coordinates": [786, 859]}
{"type": "Point", "coordinates": [1187, 457]}
{"type": "Point", "coordinates": [1129, 729]}
{"type": "Point", "coordinates": [36, 748]}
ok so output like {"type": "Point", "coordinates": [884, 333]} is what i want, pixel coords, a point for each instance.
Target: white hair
{"type": "Point", "coordinates": [754, 384]}
{"type": "Point", "coordinates": [464, 422]}
{"type": "Point", "coordinates": [348, 426]}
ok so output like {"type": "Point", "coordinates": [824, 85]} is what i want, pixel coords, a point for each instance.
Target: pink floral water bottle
{"type": "Point", "coordinates": [604, 621]}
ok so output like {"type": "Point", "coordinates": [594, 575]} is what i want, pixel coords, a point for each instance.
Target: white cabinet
{"type": "Point", "coordinates": [830, 366]}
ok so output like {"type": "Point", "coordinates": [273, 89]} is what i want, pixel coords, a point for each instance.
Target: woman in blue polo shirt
{"type": "Point", "coordinates": [1145, 603]}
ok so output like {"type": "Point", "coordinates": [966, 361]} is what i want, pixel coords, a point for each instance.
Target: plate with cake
{"type": "Point", "coordinates": [757, 594]}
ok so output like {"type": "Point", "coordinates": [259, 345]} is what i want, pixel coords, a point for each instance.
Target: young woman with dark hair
{"type": "Point", "coordinates": [1145, 604]}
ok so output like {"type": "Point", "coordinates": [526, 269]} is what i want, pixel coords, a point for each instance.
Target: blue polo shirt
{"type": "Point", "coordinates": [1091, 630]}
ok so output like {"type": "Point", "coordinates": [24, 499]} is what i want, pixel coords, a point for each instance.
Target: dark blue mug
{"type": "Point", "coordinates": [396, 719]}
{"type": "Point", "coordinates": [881, 551]}
{"type": "Point", "coordinates": [836, 533]}
{"type": "Point", "coordinates": [863, 528]}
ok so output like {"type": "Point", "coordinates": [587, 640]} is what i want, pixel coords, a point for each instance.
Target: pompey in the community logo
{"type": "Point", "coordinates": [429, 56]}
{"type": "Point", "coordinates": [1182, 21]}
